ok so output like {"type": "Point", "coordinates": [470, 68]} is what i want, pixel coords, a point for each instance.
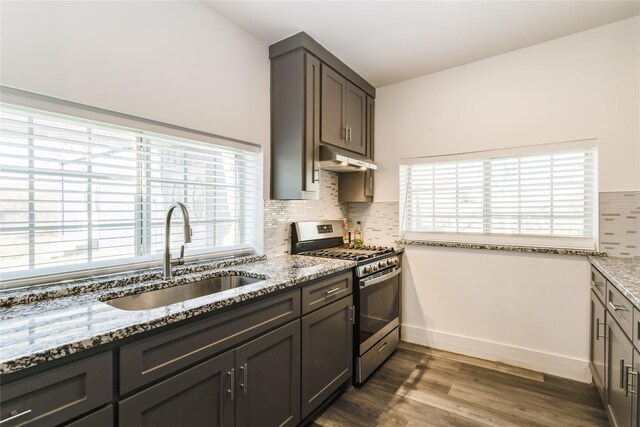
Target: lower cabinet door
{"type": "Point", "coordinates": [635, 387]}
{"type": "Point", "coordinates": [268, 379]}
{"type": "Point", "coordinates": [199, 396]}
{"type": "Point", "coordinates": [327, 352]}
{"type": "Point", "coordinates": [619, 361]}
{"type": "Point", "coordinates": [597, 343]}
{"type": "Point", "coordinates": [101, 418]}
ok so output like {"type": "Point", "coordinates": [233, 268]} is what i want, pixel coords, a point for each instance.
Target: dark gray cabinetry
{"type": "Point", "coordinates": [597, 347]}
{"type": "Point", "coordinates": [268, 379]}
{"type": "Point", "coordinates": [615, 366]}
{"type": "Point", "coordinates": [327, 352]}
{"type": "Point", "coordinates": [60, 394]}
{"type": "Point", "coordinates": [326, 291]}
{"type": "Point", "coordinates": [343, 112]}
{"type": "Point", "coordinates": [101, 418]}
{"type": "Point", "coordinates": [200, 396]}
{"type": "Point", "coordinates": [619, 361]}
{"type": "Point", "coordinates": [162, 354]}
{"type": "Point", "coordinates": [333, 128]}
{"type": "Point", "coordinates": [315, 99]}
{"type": "Point", "coordinates": [369, 174]}
{"type": "Point", "coordinates": [295, 126]}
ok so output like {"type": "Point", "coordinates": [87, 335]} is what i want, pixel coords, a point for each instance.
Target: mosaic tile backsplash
{"type": "Point", "coordinates": [619, 219]}
{"type": "Point", "coordinates": [620, 223]}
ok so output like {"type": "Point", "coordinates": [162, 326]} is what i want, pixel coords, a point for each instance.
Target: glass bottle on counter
{"type": "Point", "coordinates": [358, 239]}
{"type": "Point", "coordinates": [346, 234]}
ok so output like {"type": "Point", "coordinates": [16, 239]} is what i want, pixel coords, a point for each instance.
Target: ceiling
{"type": "Point", "coordinates": [392, 41]}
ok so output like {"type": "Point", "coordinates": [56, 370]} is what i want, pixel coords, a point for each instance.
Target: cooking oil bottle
{"type": "Point", "coordinates": [357, 235]}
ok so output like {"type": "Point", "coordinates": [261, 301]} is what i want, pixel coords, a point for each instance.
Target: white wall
{"type": "Point", "coordinates": [176, 62]}
{"type": "Point", "coordinates": [528, 310]}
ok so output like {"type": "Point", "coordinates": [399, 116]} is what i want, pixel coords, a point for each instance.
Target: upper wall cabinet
{"type": "Point", "coordinates": [343, 112]}
{"type": "Point", "coordinates": [315, 99]}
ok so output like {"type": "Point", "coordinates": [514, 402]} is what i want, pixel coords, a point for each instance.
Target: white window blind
{"type": "Point", "coordinates": [80, 194]}
{"type": "Point", "coordinates": [546, 197]}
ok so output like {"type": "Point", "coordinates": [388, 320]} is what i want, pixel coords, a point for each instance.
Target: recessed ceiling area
{"type": "Point", "coordinates": [391, 41]}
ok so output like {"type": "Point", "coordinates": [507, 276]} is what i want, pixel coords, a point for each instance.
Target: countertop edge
{"type": "Point", "coordinates": [508, 248]}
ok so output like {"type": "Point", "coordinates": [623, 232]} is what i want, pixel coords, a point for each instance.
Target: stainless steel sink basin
{"type": "Point", "coordinates": [180, 293]}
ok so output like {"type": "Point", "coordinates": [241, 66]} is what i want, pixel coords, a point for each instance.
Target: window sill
{"type": "Point", "coordinates": [492, 247]}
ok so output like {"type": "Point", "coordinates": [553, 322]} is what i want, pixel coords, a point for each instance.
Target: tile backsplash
{"type": "Point", "coordinates": [279, 214]}
{"type": "Point", "coordinates": [619, 218]}
{"type": "Point", "coordinates": [619, 215]}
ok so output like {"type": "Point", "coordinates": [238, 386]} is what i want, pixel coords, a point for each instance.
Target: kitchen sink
{"type": "Point", "coordinates": [179, 293]}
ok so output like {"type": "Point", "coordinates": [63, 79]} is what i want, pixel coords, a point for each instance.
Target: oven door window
{"type": "Point", "coordinates": [379, 306]}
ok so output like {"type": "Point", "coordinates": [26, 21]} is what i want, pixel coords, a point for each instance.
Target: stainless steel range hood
{"type": "Point", "coordinates": [337, 160]}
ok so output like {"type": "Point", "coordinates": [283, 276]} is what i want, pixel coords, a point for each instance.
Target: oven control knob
{"type": "Point", "coordinates": [366, 270]}
{"type": "Point", "coordinates": [374, 268]}
{"type": "Point", "coordinates": [382, 264]}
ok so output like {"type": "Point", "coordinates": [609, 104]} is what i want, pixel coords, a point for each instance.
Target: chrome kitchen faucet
{"type": "Point", "coordinates": [168, 262]}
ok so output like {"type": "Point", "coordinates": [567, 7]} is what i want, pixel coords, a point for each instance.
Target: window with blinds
{"type": "Point", "coordinates": [81, 194]}
{"type": "Point", "coordinates": [544, 195]}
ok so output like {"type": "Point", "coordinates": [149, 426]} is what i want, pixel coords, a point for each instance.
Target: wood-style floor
{"type": "Point", "coordinates": [419, 386]}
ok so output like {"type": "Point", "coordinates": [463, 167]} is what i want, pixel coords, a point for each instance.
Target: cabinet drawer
{"type": "Point", "coordinates": [598, 283]}
{"type": "Point", "coordinates": [620, 309]}
{"type": "Point", "coordinates": [326, 291]}
{"type": "Point", "coordinates": [160, 355]}
{"type": "Point", "coordinates": [59, 394]}
{"type": "Point", "coordinates": [101, 418]}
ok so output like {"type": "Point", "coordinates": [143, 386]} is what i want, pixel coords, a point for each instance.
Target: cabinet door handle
{"type": "Point", "coordinates": [382, 347]}
{"type": "Point", "coordinates": [245, 372]}
{"type": "Point", "coordinates": [15, 414]}
{"type": "Point", "coordinates": [316, 174]}
{"type": "Point", "coordinates": [597, 284]}
{"type": "Point", "coordinates": [370, 180]}
{"type": "Point", "coordinates": [622, 373]}
{"type": "Point", "coordinates": [618, 307]}
{"type": "Point", "coordinates": [346, 134]}
{"type": "Point", "coordinates": [331, 291]}
{"type": "Point", "coordinates": [598, 323]}
{"type": "Point", "coordinates": [350, 133]}
{"type": "Point", "coordinates": [627, 372]}
{"type": "Point", "coordinates": [232, 380]}
{"type": "Point", "coordinates": [352, 314]}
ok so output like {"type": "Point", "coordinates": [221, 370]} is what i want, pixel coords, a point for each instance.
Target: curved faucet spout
{"type": "Point", "coordinates": [166, 266]}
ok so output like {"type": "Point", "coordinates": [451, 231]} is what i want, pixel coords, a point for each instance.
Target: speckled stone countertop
{"type": "Point", "coordinates": [623, 273]}
{"type": "Point", "coordinates": [523, 249]}
{"type": "Point", "coordinates": [42, 324]}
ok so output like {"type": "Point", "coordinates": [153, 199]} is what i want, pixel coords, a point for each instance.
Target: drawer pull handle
{"type": "Point", "coordinates": [232, 379]}
{"type": "Point", "coordinates": [627, 372]}
{"type": "Point", "coordinates": [619, 307]}
{"type": "Point", "coordinates": [382, 347]}
{"type": "Point", "coordinates": [597, 284]}
{"type": "Point", "coordinates": [331, 291]}
{"type": "Point", "coordinates": [245, 372]}
{"type": "Point", "coordinates": [598, 336]}
{"type": "Point", "coordinates": [15, 414]}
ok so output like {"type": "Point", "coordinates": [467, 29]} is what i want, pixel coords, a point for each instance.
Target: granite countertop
{"type": "Point", "coordinates": [46, 323]}
{"type": "Point", "coordinates": [623, 273]}
{"type": "Point", "coordinates": [491, 247]}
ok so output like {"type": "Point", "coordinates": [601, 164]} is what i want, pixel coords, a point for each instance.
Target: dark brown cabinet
{"type": "Point", "coordinates": [295, 126]}
{"type": "Point", "coordinates": [327, 352]}
{"type": "Point", "coordinates": [268, 379]}
{"type": "Point", "coordinates": [58, 395]}
{"type": "Point", "coordinates": [619, 362]}
{"type": "Point", "coordinates": [597, 342]}
{"type": "Point", "coordinates": [343, 112]}
{"type": "Point", "coordinates": [315, 99]}
{"type": "Point", "coordinates": [200, 396]}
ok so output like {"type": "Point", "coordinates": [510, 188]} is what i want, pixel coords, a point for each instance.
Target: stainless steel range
{"type": "Point", "coordinates": [376, 290]}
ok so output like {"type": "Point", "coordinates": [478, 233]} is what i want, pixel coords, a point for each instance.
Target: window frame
{"type": "Point", "coordinates": [504, 239]}
{"type": "Point", "coordinates": [56, 273]}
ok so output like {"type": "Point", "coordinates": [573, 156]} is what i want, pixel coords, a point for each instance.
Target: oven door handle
{"type": "Point", "coordinates": [368, 282]}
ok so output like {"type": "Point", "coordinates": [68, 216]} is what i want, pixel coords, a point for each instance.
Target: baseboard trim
{"type": "Point", "coordinates": [549, 363]}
